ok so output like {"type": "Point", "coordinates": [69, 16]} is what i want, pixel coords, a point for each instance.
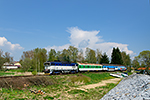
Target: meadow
{"type": "Point", "coordinates": [64, 87]}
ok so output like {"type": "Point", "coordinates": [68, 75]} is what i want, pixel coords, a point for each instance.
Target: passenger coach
{"type": "Point", "coordinates": [89, 67]}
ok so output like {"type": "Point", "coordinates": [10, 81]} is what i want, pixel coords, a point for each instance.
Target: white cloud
{"type": "Point", "coordinates": [78, 36]}
{"type": "Point", "coordinates": [13, 49]}
{"type": "Point", "coordinates": [2, 41]}
{"type": "Point", "coordinates": [57, 48]}
{"type": "Point", "coordinates": [82, 39]}
{"type": "Point", "coordinates": [6, 44]}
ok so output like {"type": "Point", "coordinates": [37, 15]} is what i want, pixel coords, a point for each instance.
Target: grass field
{"type": "Point", "coordinates": [2, 73]}
{"type": "Point", "coordinates": [66, 88]}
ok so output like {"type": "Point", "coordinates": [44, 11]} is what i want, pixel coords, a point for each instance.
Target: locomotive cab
{"type": "Point", "coordinates": [47, 67]}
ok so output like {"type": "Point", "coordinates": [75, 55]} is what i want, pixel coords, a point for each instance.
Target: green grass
{"type": "Point", "coordinates": [48, 97]}
{"type": "Point", "coordinates": [77, 91]}
{"type": "Point", "coordinates": [97, 77]}
{"type": "Point", "coordinates": [15, 70]}
{"type": "Point", "coordinates": [130, 73]}
{"type": "Point", "coordinates": [4, 73]}
{"type": "Point", "coordinates": [64, 89]}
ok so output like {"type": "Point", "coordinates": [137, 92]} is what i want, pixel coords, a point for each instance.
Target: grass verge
{"type": "Point", "coordinates": [4, 73]}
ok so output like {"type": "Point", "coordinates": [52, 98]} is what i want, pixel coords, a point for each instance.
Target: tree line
{"type": "Point", "coordinates": [34, 59]}
{"type": "Point", "coordinates": [5, 57]}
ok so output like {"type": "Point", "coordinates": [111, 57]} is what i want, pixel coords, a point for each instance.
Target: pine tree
{"type": "Point", "coordinates": [104, 59]}
{"type": "Point", "coordinates": [116, 57]}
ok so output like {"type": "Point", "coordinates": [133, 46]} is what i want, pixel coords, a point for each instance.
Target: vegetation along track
{"type": "Point", "coordinates": [3, 77]}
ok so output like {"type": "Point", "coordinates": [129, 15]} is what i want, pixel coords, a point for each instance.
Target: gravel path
{"type": "Point", "coordinates": [102, 83]}
{"type": "Point", "coordinates": [134, 87]}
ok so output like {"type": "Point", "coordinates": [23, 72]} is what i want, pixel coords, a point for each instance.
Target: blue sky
{"type": "Point", "coordinates": [97, 24]}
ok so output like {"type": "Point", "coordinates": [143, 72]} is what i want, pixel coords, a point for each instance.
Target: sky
{"type": "Point", "coordinates": [57, 24]}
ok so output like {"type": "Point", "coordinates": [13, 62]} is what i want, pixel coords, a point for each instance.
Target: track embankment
{"type": "Point", "coordinates": [134, 87]}
{"type": "Point", "coordinates": [21, 82]}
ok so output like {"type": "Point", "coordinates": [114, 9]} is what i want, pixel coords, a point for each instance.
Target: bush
{"type": "Point", "coordinates": [30, 70]}
{"type": "Point", "coordinates": [80, 78]}
{"type": "Point", "coordinates": [34, 72]}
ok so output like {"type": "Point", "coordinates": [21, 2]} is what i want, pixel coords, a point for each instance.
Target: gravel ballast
{"type": "Point", "coordinates": [133, 87]}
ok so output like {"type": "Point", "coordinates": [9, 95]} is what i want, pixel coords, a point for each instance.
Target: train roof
{"type": "Point", "coordinates": [89, 64]}
{"type": "Point", "coordinates": [112, 65]}
{"type": "Point", "coordinates": [60, 63]}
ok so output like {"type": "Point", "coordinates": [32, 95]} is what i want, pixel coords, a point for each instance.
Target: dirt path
{"type": "Point", "coordinates": [102, 83]}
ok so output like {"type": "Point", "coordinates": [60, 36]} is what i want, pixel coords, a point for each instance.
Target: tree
{"type": "Point", "coordinates": [37, 57]}
{"type": "Point", "coordinates": [27, 54]}
{"type": "Point", "coordinates": [2, 60]}
{"type": "Point", "coordinates": [116, 57]}
{"type": "Point", "coordinates": [43, 58]}
{"type": "Point", "coordinates": [135, 63]}
{"type": "Point", "coordinates": [5, 58]}
{"type": "Point", "coordinates": [144, 57]}
{"type": "Point", "coordinates": [98, 56]}
{"type": "Point", "coordinates": [8, 58]}
{"type": "Point", "coordinates": [80, 56]}
{"type": "Point", "coordinates": [90, 55]}
{"type": "Point", "coordinates": [126, 58]}
{"type": "Point", "coordinates": [65, 56]}
{"type": "Point", "coordinates": [26, 64]}
{"type": "Point", "coordinates": [73, 53]}
{"type": "Point", "coordinates": [87, 54]}
{"type": "Point", "coordinates": [104, 59]}
{"type": "Point", "coordinates": [58, 56]}
{"type": "Point", "coordinates": [25, 57]}
{"type": "Point", "coordinates": [52, 55]}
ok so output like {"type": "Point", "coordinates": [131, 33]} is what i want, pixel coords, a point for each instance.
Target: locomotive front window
{"type": "Point", "coordinates": [46, 64]}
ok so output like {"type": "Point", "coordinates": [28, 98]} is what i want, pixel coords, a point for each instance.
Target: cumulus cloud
{"type": "Point", "coordinates": [6, 44]}
{"type": "Point", "coordinates": [13, 49]}
{"type": "Point", "coordinates": [78, 36]}
{"type": "Point", "coordinates": [82, 39]}
{"type": "Point", "coordinates": [57, 48]}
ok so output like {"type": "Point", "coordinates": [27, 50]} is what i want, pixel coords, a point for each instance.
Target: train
{"type": "Point", "coordinates": [65, 67]}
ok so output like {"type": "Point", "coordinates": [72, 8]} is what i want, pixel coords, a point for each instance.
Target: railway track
{"type": "Point", "coordinates": [4, 77]}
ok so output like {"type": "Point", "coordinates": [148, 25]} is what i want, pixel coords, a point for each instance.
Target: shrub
{"type": "Point", "coordinates": [34, 72]}
{"type": "Point", "coordinates": [80, 78]}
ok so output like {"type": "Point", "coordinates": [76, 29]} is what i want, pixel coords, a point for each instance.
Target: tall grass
{"type": "Point", "coordinates": [97, 77]}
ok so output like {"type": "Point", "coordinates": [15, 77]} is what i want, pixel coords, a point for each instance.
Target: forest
{"type": "Point", "coordinates": [33, 60]}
